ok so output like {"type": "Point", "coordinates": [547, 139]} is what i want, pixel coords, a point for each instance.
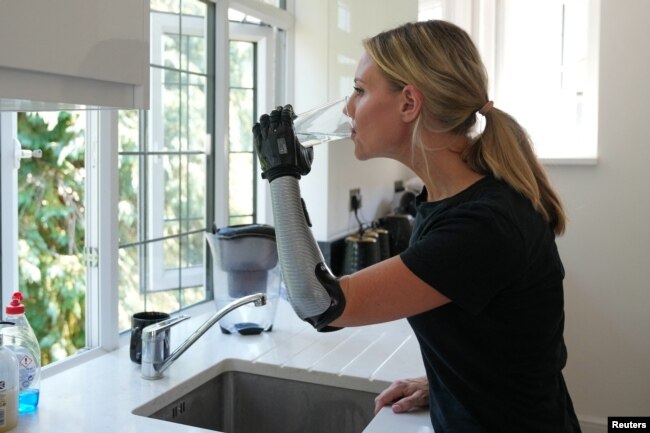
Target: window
{"type": "Point", "coordinates": [49, 238]}
{"type": "Point", "coordinates": [256, 58]}
{"type": "Point", "coordinates": [430, 10]}
{"type": "Point", "coordinates": [543, 75]}
{"type": "Point", "coordinates": [542, 62]}
{"type": "Point", "coordinates": [139, 188]}
{"type": "Point", "coordinates": [166, 156]}
{"type": "Point", "coordinates": [165, 170]}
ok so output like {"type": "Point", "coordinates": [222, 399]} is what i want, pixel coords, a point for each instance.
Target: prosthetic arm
{"type": "Point", "coordinates": [314, 293]}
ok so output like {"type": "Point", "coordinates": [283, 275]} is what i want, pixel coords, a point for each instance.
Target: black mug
{"type": "Point", "coordinates": [139, 321]}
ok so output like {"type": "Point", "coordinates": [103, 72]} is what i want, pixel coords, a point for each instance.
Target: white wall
{"type": "Point", "coordinates": [328, 37]}
{"type": "Point", "coordinates": [606, 250]}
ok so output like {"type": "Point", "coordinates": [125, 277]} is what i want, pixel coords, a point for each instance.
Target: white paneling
{"type": "Point", "coordinates": [73, 53]}
{"type": "Point", "coordinates": [606, 250]}
{"type": "Point", "coordinates": [328, 44]}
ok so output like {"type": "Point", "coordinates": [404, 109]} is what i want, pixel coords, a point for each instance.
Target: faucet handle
{"type": "Point", "coordinates": [152, 331]}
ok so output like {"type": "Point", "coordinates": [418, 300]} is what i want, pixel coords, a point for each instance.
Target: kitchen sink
{"type": "Point", "coordinates": [242, 397]}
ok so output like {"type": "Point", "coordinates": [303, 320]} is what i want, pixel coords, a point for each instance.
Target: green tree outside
{"type": "Point", "coordinates": [50, 248]}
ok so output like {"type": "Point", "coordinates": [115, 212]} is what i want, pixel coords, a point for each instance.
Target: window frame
{"type": "Point", "coordinates": [99, 219]}
{"type": "Point", "coordinates": [160, 276]}
{"type": "Point", "coordinates": [102, 305]}
{"type": "Point", "coordinates": [263, 87]}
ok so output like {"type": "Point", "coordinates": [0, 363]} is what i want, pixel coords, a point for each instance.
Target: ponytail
{"type": "Point", "coordinates": [504, 150]}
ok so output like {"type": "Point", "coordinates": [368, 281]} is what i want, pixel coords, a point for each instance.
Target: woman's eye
{"type": "Point", "coordinates": [358, 90]}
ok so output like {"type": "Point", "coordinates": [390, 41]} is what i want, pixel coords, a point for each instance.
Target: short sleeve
{"type": "Point", "coordinates": [469, 254]}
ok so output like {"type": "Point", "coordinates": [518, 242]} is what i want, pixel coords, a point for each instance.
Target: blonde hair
{"type": "Point", "coordinates": [440, 59]}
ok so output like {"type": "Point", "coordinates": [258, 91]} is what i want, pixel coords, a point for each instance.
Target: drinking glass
{"type": "Point", "coordinates": [326, 123]}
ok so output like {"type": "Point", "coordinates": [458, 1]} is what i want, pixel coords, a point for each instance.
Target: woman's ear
{"type": "Point", "coordinates": [412, 100]}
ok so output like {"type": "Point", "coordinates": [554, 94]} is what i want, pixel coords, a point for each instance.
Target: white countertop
{"type": "Point", "coordinates": [99, 395]}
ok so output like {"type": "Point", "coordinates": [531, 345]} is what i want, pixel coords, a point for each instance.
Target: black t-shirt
{"type": "Point", "coordinates": [494, 355]}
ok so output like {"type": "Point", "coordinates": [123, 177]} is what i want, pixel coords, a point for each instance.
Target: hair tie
{"type": "Point", "coordinates": [484, 109]}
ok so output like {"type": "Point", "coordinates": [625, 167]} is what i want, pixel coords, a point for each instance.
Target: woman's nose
{"type": "Point", "coordinates": [346, 108]}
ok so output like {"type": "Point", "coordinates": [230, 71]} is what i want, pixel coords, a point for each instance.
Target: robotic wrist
{"type": "Point", "coordinates": [280, 171]}
{"type": "Point", "coordinates": [331, 285]}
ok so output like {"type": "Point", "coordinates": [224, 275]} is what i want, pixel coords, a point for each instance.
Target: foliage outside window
{"type": "Point", "coordinates": [242, 162]}
{"type": "Point", "coordinates": [52, 272]}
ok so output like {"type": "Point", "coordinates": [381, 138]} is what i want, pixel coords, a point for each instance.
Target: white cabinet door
{"type": "Point", "coordinates": [74, 53]}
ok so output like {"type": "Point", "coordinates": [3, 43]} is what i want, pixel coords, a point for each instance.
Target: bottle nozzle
{"type": "Point", "coordinates": [15, 307]}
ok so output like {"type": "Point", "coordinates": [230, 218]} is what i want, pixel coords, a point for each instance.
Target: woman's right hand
{"type": "Point", "coordinates": [404, 395]}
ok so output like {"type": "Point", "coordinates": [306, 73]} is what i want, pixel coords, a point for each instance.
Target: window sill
{"type": "Point", "coordinates": [85, 355]}
{"type": "Point", "coordinates": [569, 161]}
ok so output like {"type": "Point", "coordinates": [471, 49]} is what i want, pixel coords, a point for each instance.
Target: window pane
{"type": "Point", "coordinates": [170, 124]}
{"type": "Point", "coordinates": [127, 205]}
{"type": "Point", "coordinates": [165, 301]}
{"type": "Point", "coordinates": [193, 7]}
{"type": "Point", "coordinates": [235, 220]}
{"type": "Point", "coordinates": [165, 5]}
{"type": "Point", "coordinates": [242, 64]}
{"type": "Point", "coordinates": [130, 299]}
{"type": "Point", "coordinates": [194, 43]}
{"type": "Point", "coordinates": [172, 254]}
{"type": "Point", "coordinates": [176, 193]}
{"type": "Point", "coordinates": [178, 117]}
{"type": "Point", "coordinates": [195, 194]}
{"type": "Point", "coordinates": [51, 230]}
{"type": "Point", "coordinates": [128, 130]}
{"type": "Point", "coordinates": [194, 112]}
{"type": "Point", "coordinates": [541, 58]}
{"type": "Point", "coordinates": [241, 120]}
{"type": "Point", "coordinates": [193, 250]}
{"type": "Point", "coordinates": [241, 184]}
{"type": "Point", "coordinates": [171, 50]}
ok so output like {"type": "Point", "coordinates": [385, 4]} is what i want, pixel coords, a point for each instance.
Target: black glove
{"type": "Point", "coordinates": [278, 150]}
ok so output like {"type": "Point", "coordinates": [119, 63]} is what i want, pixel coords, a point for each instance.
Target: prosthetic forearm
{"type": "Point", "coordinates": [314, 293]}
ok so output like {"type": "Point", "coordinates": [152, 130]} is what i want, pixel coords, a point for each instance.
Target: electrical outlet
{"type": "Point", "coordinates": [355, 199]}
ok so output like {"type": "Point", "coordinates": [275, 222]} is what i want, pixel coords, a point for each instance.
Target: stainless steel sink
{"type": "Point", "coordinates": [267, 399]}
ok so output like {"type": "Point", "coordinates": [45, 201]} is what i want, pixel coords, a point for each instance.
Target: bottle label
{"type": "Point", "coordinates": [26, 367]}
{"type": "Point", "coordinates": [3, 409]}
{"type": "Point", "coordinates": [8, 408]}
{"type": "Point", "coordinates": [3, 405]}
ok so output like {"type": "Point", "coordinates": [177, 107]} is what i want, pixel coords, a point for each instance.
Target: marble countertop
{"type": "Point", "coordinates": [99, 395]}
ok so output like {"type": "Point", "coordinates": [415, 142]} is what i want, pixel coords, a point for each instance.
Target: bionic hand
{"type": "Point", "coordinates": [314, 293]}
{"type": "Point", "coordinates": [278, 149]}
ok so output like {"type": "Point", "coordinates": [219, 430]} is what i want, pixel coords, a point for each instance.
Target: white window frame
{"type": "Point", "coordinates": [9, 209]}
{"type": "Point", "coordinates": [263, 37]}
{"type": "Point", "coordinates": [160, 276]}
{"type": "Point", "coordinates": [100, 223]}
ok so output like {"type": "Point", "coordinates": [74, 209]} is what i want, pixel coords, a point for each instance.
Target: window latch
{"type": "Point", "coordinates": [91, 257]}
{"type": "Point", "coordinates": [20, 153]}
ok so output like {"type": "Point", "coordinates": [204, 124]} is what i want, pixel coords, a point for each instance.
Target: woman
{"type": "Point", "coordinates": [481, 282]}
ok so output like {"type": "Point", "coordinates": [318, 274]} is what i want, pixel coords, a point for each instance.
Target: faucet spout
{"type": "Point", "coordinates": [154, 363]}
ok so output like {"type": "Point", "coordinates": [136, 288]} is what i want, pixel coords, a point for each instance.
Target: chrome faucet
{"type": "Point", "coordinates": [154, 362]}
